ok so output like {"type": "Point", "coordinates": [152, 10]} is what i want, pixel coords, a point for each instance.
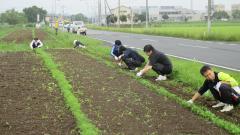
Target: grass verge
{"type": "Point", "coordinates": [218, 33]}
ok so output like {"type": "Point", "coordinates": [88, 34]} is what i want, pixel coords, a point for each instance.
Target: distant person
{"type": "Point", "coordinates": [115, 49]}
{"type": "Point", "coordinates": [36, 43]}
{"type": "Point", "coordinates": [158, 61]}
{"type": "Point", "coordinates": [68, 28]}
{"type": "Point", "coordinates": [223, 87]}
{"type": "Point", "coordinates": [131, 58]}
{"type": "Point", "coordinates": [78, 44]}
{"type": "Point", "coordinates": [56, 27]}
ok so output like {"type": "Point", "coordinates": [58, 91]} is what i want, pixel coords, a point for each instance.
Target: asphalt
{"type": "Point", "coordinates": [221, 54]}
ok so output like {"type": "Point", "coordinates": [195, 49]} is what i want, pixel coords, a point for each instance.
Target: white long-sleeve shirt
{"type": "Point", "coordinates": [36, 42]}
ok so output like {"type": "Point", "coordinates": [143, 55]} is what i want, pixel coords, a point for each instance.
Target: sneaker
{"type": "Point", "coordinates": [220, 104]}
{"type": "Point", "coordinates": [119, 64]}
{"type": "Point", "coordinates": [237, 89]}
{"type": "Point", "coordinates": [134, 70]}
{"type": "Point", "coordinates": [161, 78]}
{"type": "Point", "coordinates": [227, 108]}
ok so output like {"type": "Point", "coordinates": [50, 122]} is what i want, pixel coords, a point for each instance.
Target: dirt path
{"type": "Point", "coordinates": [30, 102]}
{"type": "Point", "coordinates": [118, 104]}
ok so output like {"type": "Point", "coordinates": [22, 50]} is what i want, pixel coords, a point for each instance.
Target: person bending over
{"type": "Point", "coordinates": [223, 87]}
{"type": "Point", "coordinates": [158, 61]}
{"type": "Point", "coordinates": [131, 58]}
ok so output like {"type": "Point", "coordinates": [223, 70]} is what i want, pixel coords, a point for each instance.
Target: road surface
{"type": "Point", "coordinates": [220, 54]}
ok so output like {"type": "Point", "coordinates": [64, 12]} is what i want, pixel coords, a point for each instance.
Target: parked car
{"type": "Point", "coordinates": [78, 27]}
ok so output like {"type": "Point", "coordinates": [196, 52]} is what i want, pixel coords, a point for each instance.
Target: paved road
{"type": "Point", "coordinates": [221, 54]}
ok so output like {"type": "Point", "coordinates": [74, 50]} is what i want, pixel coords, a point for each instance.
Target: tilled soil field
{"type": "Point", "coordinates": [30, 101]}
{"type": "Point", "coordinates": [117, 104]}
{"type": "Point", "coordinates": [18, 36]}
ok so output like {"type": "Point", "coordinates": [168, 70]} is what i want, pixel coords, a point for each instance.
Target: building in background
{"type": "Point", "coordinates": [174, 13]}
{"type": "Point", "coordinates": [218, 7]}
{"type": "Point", "coordinates": [124, 11]}
{"type": "Point", "coordinates": [235, 7]}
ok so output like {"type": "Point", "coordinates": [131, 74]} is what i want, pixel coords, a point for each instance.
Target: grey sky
{"type": "Point", "coordinates": [89, 7]}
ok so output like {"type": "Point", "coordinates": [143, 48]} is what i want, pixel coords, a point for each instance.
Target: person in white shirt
{"type": "Point", "coordinates": [36, 43]}
{"type": "Point", "coordinates": [78, 44]}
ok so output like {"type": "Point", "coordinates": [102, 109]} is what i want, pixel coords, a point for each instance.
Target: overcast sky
{"type": "Point", "coordinates": [89, 7]}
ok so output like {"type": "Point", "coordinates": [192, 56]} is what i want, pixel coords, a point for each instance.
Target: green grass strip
{"type": "Point", "coordinates": [197, 109]}
{"type": "Point", "coordinates": [83, 123]}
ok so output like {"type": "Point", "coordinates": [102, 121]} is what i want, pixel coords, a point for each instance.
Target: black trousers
{"type": "Point", "coordinates": [131, 63]}
{"type": "Point", "coordinates": [35, 45]}
{"type": "Point", "coordinates": [56, 31]}
{"type": "Point", "coordinates": [226, 95]}
{"type": "Point", "coordinates": [162, 69]}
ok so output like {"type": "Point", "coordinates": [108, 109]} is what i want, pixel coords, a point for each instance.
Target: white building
{"type": "Point", "coordinates": [175, 13]}
{"type": "Point", "coordinates": [235, 7]}
{"type": "Point", "coordinates": [124, 10]}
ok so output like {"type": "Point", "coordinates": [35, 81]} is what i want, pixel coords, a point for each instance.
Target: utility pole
{"type": "Point", "coordinates": [132, 15]}
{"type": "Point", "coordinates": [63, 8]}
{"type": "Point", "coordinates": [55, 8]}
{"type": "Point", "coordinates": [209, 15]}
{"type": "Point", "coordinates": [99, 12]}
{"type": "Point", "coordinates": [105, 6]}
{"type": "Point", "coordinates": [147, 14]}
{"type": "Point", "coordinates": [131, 18]}
{"type": "Point", "coordinates": [192, 5]}
{"type": "Point", "coordinates": [118, 13]}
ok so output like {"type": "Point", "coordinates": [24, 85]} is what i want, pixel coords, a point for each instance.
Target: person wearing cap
{"type": "Point", "coordinates": [158, 61]}
{"type": "Point", "coordinates": [223, 87]}
{"type": "Point", "coordinates": [78, 44]}
{"type": "Point", "coordinates": [36, 43]}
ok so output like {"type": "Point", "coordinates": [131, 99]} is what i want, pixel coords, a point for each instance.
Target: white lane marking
{"type": "Point", "coordinates": [151, 40]}
{"type": "Point", "coordinates": [194, 60]}
{"type": "Point", "coordinates": [232, 44]}
{"type": "Point", "coordinates": [195, 46]}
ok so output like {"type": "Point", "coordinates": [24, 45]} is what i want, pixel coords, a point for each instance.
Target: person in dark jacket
{"type": "Point", "coordinates": [131, 58]}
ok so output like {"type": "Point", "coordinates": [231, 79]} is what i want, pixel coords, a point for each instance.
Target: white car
{"type": "Point", "coordinates": [78, 27]}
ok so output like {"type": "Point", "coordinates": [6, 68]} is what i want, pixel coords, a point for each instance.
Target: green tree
{"type": "Point", "coordinates": [12, 17]}
{"type": "Point", "coordinates": [32, 12]}
{"type": "Point", "coordinates": [220, 15]}
{"type": "Point", "coordinates": [165, 17]}
{"type": "Point", "coordinates": [111, 19]}
{"type": "Point", "coordinates": [140, 17]}
{"type": "Point", "coordinates": [236, 14]}
{"type": "Point", "coordinates": [123, 18]}
{"type": "Point", "coordinates": [79, 17]}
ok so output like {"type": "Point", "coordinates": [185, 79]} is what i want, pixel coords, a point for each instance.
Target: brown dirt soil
{"type": "Point", "coordinates": [233, 116]}
{"type": "Point", "coordinates": [30, 102]}
{"type": "Point", "coordinates": [41, 34]}
{"type": "Point", "coordinates": [117, 104]}
{"type": "Point", "coordinates": [18, 36]}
